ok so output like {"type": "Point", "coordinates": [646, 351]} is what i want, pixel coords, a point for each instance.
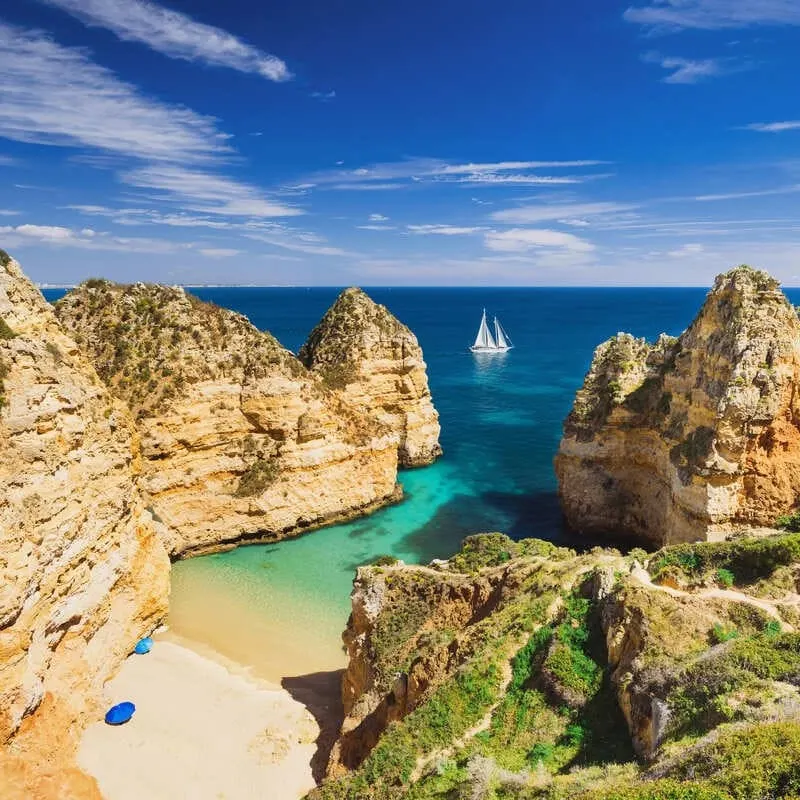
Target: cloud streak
{"type": "Point", "coordinates": [773, 127]}
{"type": "Point", "coordinates": [687, 70]}
{"type": "Point", "coordinates": [569, 213]}
{"type": "Point", "coordinates": [175, 35]}
{"type": "Point", "coordinates": [673, 15]}
{"type": "Point", "coordinates": [520, 240]}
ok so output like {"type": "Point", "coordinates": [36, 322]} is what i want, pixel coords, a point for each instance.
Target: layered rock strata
{"type": "Point", "coordinates": [361, 349]}
{"type": "Point", "coordinates": [690, 438]}
{"type": "Point", "coordinates": [82, 573]}
{"type": "Point", "coordinates": [240, 441]}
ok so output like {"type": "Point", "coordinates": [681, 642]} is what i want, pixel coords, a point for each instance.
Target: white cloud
{"type": "Point", "coordinates": [378, 218]}
{"type": "Point", "coordinates": [741, 195]}
{"type": "Point", "coordinates": [175, 35]}
{"type": "Point", "coordinates": [7, 161]}
{"type": "Point", "coordinates": [774, 127]}
{"type": "Point", "coordinates": [325, 97]}
{"type": "Point", "coordinates": [686, 70]}
{"type": "Point", "coordinates": [206, 193]}
{"type": "Point", "coordinates": [218, 252]}
{"type": "Point", "coordinates": [442, 230]}
{"type": "Point", "coordinates": [687, 250]}
{"type": "Point", "coordinates": [567, 213]}
{"type": "Point", "coordinates": [519, 240]}
{"type": "Point", "coordinates": [671, 15]}
{"type": "Point", "coordinates": [6, 212]}
{"type": "Point", "coordinates": [87, 239]}
{"type": "Point", "coordinates": [376, 227]}
{"type": "Point", "coordinates": [298, 242]}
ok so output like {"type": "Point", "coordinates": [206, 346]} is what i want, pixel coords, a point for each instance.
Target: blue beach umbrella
{"type": "Point", "coordinates": [120, 713]}
{"type": "Point", "coordinates": [143, 646]}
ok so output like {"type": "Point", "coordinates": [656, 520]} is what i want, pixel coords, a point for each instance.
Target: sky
{"type": "Point", "coordinates": [454, 142]}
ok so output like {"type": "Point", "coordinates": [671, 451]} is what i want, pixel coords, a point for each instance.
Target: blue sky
{"type": "Point", "coordinates": [455, 142]}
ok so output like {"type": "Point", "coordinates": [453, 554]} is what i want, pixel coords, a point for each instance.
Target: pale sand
{"type": "Point", "coordinates": [200, 732]}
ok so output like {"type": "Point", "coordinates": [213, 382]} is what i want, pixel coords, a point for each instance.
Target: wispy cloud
{"type": "Point", "coordinates": [310, 245]}
{"type": "Point", "coordinates": [376, 227]}
{"type": "Point", "coordinates": [414, 171]}
{"type": "Point", "coordinates": [742, 195]}
{"type": "Point", "coordinates": [673, 15]}
{"type": "Point", "coordinates": [324, 97]}
{"type": "Point", "coordinates": [86, 239]}
{"type": "Point", "coordinates": [206, 193]}
{"type": "Point", "coordinates": [520, 240]}
{"type": "Point", "coordinates": [55, 95]}
{"type": "Point", "coordinates": [218, 252]}
{"type": "Point", "coordinates": [378, 218]}
{"type": "Point", "coordinates": [773, 127]}
{"type": "Point", "coordinates": [7, 212]}
{"type": "Point", "coordinates": [7, 161]}
{"type": "Point", "coordinates": [442, 230]}
{"type": "Point", "coordinates": [687, 70]}
{"type": "Point", "coordinates": [175, 35]}
{"type": "Point", "coordinates": [568, 213]}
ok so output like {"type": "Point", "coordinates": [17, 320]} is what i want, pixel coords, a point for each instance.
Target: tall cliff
{"type": "Point", "coordinates": [519, 670]}
{"type": "Point", "coordinates": [240, 441]}
{"type": "Point", "coordinates": [360, 348]}
{"type": "Point", "coordinates": [689, 438]}
{"type": "Point", "coordinates": [82, 573]}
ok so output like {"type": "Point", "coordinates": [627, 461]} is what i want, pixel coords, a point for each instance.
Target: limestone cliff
{"type": "Point", "coordinates": [82, 574]}
{"type": "Point", "coordinates": [240, 441]}
{"type": "Point", "coordinates": [689, 438]}
{"type": "Point", "coordinates": [522, 670]}
{"type": "Point", "coordinates": [360, 348]}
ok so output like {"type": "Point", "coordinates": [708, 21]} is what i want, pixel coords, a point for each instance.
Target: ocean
{"type": "Point", "coordinates": [280, 608]}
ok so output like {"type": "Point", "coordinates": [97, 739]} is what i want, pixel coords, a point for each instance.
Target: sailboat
{"type": "Point", "coordinates": [485, 342]}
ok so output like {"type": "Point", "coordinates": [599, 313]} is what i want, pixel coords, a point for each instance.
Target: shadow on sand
{"type": "Point", "coordinates": [320, 693]}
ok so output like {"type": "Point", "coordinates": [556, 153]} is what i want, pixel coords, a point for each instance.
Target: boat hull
{"type": "Point", "coordinates": [474, 349]}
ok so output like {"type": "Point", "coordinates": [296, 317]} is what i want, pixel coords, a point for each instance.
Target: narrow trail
{"type": "Point", "coordinates": [770, 607]}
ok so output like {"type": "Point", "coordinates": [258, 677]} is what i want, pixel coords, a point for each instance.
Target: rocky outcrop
{"type": "Point", "coordinates": [82, 573]}
{"type": "Point", "coordinates": [690, 438]}
{"type": "Point", "coordinates": [360, 348]}
{"type": "Point", "coordinates": [240, 441]}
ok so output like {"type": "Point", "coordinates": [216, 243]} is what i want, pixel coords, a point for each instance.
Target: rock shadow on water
{"type": "Point", "coordinates": [320, 693]}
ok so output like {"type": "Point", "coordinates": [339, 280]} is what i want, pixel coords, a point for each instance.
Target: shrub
{"type": "Point", "coordinates": [789, 522]}
{"type": "Point", "coordinates": [258, 477]}
{"type": "Point", "coordinates": [483, 550]}
{"type": "Point", "coordinates": [5, 258]}
{"type": "Point", "coordinates": [725, 578]}
{"type": "Point", "coordinates": [721, 633]}
{"type": "Point", "coordinates": [661, 790]}
{"type": "Point", "coordinates": [384, 561]}
{"type": "Point", "coordinates": [5, 331]}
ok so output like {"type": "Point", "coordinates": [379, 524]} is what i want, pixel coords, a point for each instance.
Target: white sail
{"type": "Point", "coordinates": [484, 339]}
{"type": "Point", "coordinates": [500, 336]}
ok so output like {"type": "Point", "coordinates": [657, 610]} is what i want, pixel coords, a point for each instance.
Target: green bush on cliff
{"type": "Point", "coordinates": [749, 560]}
{"type": "Point", "coordinates": [257, 478]}
{"type": "Point", "coordinates": [483, 550]}
{"type": "Point", "coordinates": [789, 522]}
{"type": "Point", "coordinates": [5, 330]}
{"type": "Point", "coordinates": [5, 258]}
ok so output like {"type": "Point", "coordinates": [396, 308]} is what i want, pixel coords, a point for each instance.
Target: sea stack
{"type": "Point", "coordinates": [241, 442]}
{"type": "Point", "coordinates": [692, 438]}
{"type": "Point", "coordinates": [361, 349]}
{"type": "Point", "coordinates": [82, 573]}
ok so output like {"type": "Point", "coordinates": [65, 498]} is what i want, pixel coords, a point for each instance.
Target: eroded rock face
{"type": "Point", "coordinates": [240, 441]}
{"type": "Point", "coordinates": [360, 348]}
{"type": "Point", "coordinates": [82, 573]}
{"type": "Point", "coordinates": [689, 438]}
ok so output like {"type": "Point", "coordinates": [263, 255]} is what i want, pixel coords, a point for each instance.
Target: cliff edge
{"type": "Point", "coordinates": [82, 573]}
{"type": "Point", "coordinates": [690, 438]}
{"type": "Point", "coordinates": [361, 349]}
{"type": "Point", "coordinates": [241, 442]}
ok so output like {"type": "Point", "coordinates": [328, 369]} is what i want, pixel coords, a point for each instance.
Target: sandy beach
{"type": "Point", "coordinates": [204, 730]}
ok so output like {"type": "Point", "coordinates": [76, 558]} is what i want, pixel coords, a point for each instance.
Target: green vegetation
{"type": "Point", "coordinates": [5, 331]}
{"type": "Point", "coordinates": [483, 550]}
{"type": "Point", "coordinates": [3, 374]}
{"type": "Point", "coordinates": [789, 522]}
{"type": "Point", "coordinates": [748, 560]}
{"type": "Point", "coordinates": [384, 561]}
{"type": "Point", "coordinates": [5, 258]}
{"type": "Point", "coordinates": [725, 578]}
{"type": "Point", "coordinates": [338, 376]}
{"type": "Point", "coordinates": [258, 477]}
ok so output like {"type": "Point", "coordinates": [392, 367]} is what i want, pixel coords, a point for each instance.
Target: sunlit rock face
{"type": "Point", "coordinates": [365, 352]}
{"type": "Point", "coordinates": [690, 438]}
{"type": "Point", "coordinates": [82, 573]}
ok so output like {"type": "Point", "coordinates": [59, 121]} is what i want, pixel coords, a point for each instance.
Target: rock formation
{"type": "Point", "coordinates": [82, 573]}
{"type": "Point", "coordinates": [690, 438]}
{"type": "Point", "coordinates": [527, 670]}
{"type": "Point", "coordinates": [360, 348]}
{"type": "Point", "coordinates": [240, 441]}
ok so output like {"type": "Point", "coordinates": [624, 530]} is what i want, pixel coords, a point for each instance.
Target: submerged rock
{"type": "Point", "coordinates": [363, 350]}
{"type": "Point", "coordinates": [690, 438]}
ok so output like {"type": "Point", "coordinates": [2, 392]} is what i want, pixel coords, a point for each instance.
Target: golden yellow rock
{"type": "Point", "coordinates": [82, 573]}
{"type": "Point", "coordinates": [360, 348]}
{"type": "Point", "coordinates": [690, 438]}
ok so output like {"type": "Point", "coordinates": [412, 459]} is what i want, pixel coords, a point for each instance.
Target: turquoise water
{"type": "Point", "coordinates": [282, 607]}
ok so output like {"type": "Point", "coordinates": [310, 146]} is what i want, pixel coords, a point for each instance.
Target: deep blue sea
{"type": "Point", "coordinates": [272, 606]}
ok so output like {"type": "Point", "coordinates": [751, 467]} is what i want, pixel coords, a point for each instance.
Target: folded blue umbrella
{"type": "Point", "coordinates": [120, 713]}
{"type": "Point", "coordinates": [143, 646]}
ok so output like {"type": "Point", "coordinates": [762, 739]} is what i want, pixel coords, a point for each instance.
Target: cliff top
{"type": "Point", "coordinates": [149, 341]}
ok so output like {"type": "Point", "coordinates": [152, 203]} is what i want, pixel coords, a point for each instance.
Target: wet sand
{"type": "Point", "coordinates": [205, 728]}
